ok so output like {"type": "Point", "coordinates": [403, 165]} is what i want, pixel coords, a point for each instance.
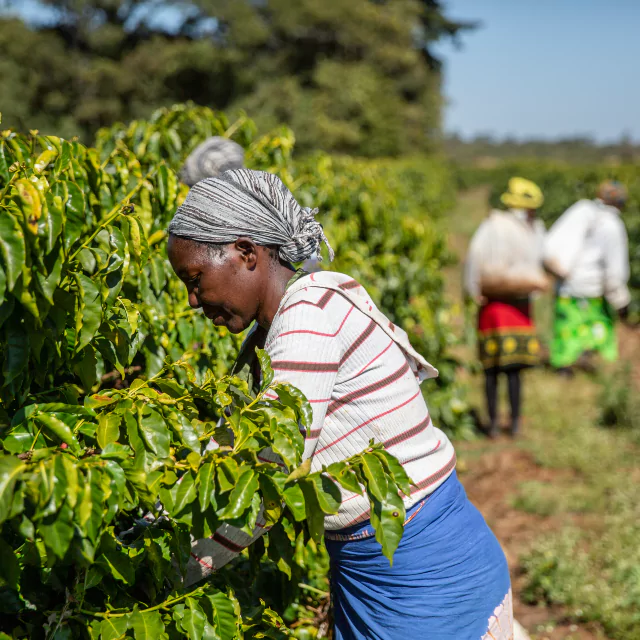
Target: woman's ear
{"type": "Point", "coordinates": [248, 251]}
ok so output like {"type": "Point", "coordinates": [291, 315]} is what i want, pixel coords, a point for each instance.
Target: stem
{"type": "Point", "coordinates": [115, 151]}
{"type": "Point", "coordinates": [234, 127]}
{"type": "Point", "coordinates": [308, 587]}
{"type": "Point", "coordinates": [146, 382]}
{"type": "Point", "coordinates": [33, 444]}
{"type": "Point", "coordinates": [162, 605]}
{"type": "Point", "coordinates": [256, 399]}
{"type": "Point", "coordinates": [114, 213]}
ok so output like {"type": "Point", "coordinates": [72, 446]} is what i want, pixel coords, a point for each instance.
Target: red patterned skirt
{"type": "Point", "coordinates": [507, 337]}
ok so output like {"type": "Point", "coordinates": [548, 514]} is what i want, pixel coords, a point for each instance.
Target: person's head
{"type": "Point", "coordinates": [211, 158]}
{"type": "Point", "coordinates": [613, 193]}
{"type": "Point", "coordinates": [523, 194]}
{"type": "Point", "coordinates": [233, 241]}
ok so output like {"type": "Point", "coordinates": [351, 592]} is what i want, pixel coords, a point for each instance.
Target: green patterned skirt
{"type": "Point", "coordinates": [582, 325]}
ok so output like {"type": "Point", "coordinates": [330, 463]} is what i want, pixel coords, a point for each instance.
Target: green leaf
{"type": "Point", "coordinates": [387, 518]}
{"type": "Point", "coordinates": [395, 470]}
{"type": "Point", "coordinates": [301, 472]}
{"type": "Point", "coordinates": [136, 239]}
{"type": "Point", "coordinates": [314, 513]}
{"type": "Point", "coordinates": [6, 160]}
{"type": "Point", "coordinates": [373, 471]}
{"type": "Point", "coordinates": [157, 275]}
{"type": "Point", "coordinates": [154, 432]}
{"type": "Point", "coordinates": [281, 550]}
{"type": "Point", "coordinates": [228, 474]}
{"type": "Point", "coordinates": [265, 367]}
{"type": "Point", "coordinates": [342, 473]}
{"type": "Point", "coordinates": [116, 451]}
{"type": "Point", "coordinates": [90, 311]}
{"type": "Point", "coordinates": [73, 201]}
{"type": "Point", "coordinates": [29, 202]}
{"type": "Point", "coordinates": [49, 283]}
{"type": "Point", "coordinates": [64, 158]}
{"type": "Point", "coordinates": [327, 492]}
{"type": "Point", "coordinates": [86, 368]}
{"type": "Point", "coordinates": [146, 625]}
{"type": "Point", "coordinates": [57, 428]}
{"type": "Point", "coordinates": [193, 620]}
{"type": "Point", "coordinates": [116, 561]}
{"type": "Point", "coordinates": [113, 628]}
{"type": "Point", "coordinates": [206, 485]}
{"type": "Point", "coordinates": [57, 530]}
{"type": "Point", "coordinates": [108, 428]}
{"type": "Point", "coordinates": [12, 247]}
{"type": "Point", "coordinates": [10, 470]}
{"type": "Point", "coordinates": [9, 566]}
{"type": "Point", "coordinates": [223, 615]}
{"type": "Point", "coordinates": [185, 431]}
{"type": "Point", "coordinates": [44, 160]}
{"type": "Point", "coordinates": [66, 470]}
{"type": "Point", "coordinates": [241, 495]}
{"type": "Point", "coordinates": [294, 499]}
{"type": "Point", "coordinates": [283, 446]}
{"type": "Point", "coordinates": [55, 219]}
{"type": "Point", "coordinates": [292, 397]}
{"type": "Point", "coordinates": [16, 354]}
{"type": "Point", "coordinates": [3, 284]}
{"type": "Point", "coordinates": [183, 492]}
{"type": "Point", "coordinates": [272, 499]}
{"type": "Point", "coordinates": [162, 187]}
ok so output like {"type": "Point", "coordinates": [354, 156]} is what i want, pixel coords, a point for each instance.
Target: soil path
{"type": "Point", "coordinates": [492, 471]}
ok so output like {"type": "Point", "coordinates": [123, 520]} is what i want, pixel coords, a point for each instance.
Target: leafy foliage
{"type": "Point", "coordinates": [318, 68]}
{"type": "Point", "coordinates": [619, 400]}
{"type": "Point", "coordinates": [101, 485]}
{"type": "Point", "coordinates": [592, 574]}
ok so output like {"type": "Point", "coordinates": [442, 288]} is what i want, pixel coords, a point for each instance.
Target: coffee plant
{"type": "Point", "coordinates": [113, 392]}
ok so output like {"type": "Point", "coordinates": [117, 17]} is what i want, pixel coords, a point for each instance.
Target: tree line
{"type": "Point", "coordinates": [358, 77]}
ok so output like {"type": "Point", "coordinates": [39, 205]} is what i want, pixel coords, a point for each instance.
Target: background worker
{"type": "Point", "coordinates": [587, 250]}
{"type": "Point", "coordinates": [211, 158]}
{"type": "Point", "coordinates": [502, 270]}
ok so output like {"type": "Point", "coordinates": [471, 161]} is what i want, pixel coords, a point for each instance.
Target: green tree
{"type": "Point", "coordinates": [353, 77]}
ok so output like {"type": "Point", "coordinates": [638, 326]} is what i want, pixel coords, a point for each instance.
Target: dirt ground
{"type": "Point", "coordinates": [489, 474]}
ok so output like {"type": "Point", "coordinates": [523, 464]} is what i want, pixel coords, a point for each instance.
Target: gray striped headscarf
{"type": "Point", "coordinates": [254, 204]}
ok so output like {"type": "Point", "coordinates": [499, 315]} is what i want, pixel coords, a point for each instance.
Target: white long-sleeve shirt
{"type": "Point", "coordinates": [601, 263]}
{"type": "Point", "coordinates": [505, 243]}
{"type": "Point", "coordinates": [361, 385]}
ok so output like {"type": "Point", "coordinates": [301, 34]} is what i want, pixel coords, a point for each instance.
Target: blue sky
{"type": "Point", "coordinates": [545, 68]}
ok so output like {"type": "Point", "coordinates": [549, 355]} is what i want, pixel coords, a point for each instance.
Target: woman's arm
{"type": "Point", "coordinates": [306, 350]}
{"type": "Point", "coordinates": [305, 353]}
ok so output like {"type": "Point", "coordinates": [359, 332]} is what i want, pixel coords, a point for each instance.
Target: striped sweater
{"type": "Point", "coordinates": [361, 385]}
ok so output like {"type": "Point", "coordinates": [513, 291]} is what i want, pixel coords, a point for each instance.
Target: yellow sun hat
{"type": "Point", "coordinates": [522, 194]}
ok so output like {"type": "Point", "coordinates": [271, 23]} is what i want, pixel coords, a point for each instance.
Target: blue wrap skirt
{"type": "Point", "coordinates": [449, 579]}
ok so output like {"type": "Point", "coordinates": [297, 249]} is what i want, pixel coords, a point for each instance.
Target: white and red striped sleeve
{"type": "Point", "coordinates": [306, 348]}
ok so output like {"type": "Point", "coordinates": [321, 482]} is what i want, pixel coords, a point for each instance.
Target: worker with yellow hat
{"type": "Point", "coordinates": [587, 250]}
{"type": "Point", "coordinates": [522, 194]}
{"type": "Point", "coordinates": [503, 269]}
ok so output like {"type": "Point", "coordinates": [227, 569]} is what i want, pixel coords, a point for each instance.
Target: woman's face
{"type": "Point", "coordinates": [228, 286]}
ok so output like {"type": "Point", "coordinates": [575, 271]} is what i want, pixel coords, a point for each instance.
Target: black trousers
{"type": "Point", "coordinates": [515, 397]}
